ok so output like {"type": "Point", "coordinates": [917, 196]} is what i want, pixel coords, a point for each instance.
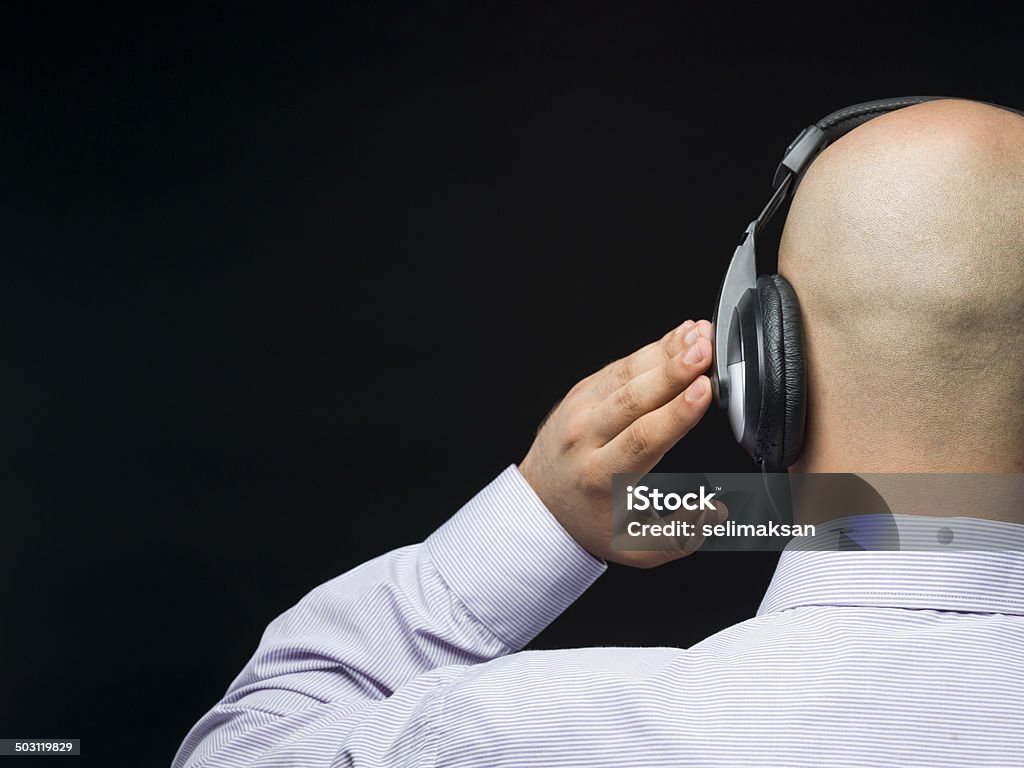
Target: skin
{"type": "Point", "coordinates": [905, 244]}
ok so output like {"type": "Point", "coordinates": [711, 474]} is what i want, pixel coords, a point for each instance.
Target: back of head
{"type": "Point", "coordinates": [905, 245]}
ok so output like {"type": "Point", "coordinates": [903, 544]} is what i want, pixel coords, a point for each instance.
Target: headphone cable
{"type": "Point", "coordinates": [768, 491]}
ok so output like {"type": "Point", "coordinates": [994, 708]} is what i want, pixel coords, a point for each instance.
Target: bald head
{"type": "Point", "coordinates": [905, 245]}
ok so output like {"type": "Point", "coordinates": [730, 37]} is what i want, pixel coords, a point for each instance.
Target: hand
{"type": "Point", "coordinates": [623, 418]}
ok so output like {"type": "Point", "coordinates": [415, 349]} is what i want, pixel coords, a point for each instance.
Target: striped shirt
{"type": "Point", "coordinates": [854, 658]}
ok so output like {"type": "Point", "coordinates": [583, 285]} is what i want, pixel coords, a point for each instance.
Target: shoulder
{"type": "Point", "coordinates": [561, 672]}
{"type": "Point", "coordinates": [585, 706]}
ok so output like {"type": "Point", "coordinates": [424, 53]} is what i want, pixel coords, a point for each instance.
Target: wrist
{"type": "Point", "coordinates": [582, 531]}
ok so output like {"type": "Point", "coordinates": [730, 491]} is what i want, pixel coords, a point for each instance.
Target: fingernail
{"type": "Point", "coordinates": [692, 336]}
{"type": "Point", "coordinates": [685, 327]}
{"type": "Point", "coordinates": [696, 390]}
{"type": "Point", "coordinates": [694, 354]}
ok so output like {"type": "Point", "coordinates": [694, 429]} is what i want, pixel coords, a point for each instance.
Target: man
{"type": "Point", "coordinates": [905, 243]}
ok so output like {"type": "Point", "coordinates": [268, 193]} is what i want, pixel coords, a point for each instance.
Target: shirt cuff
{"type": "Point", "coordinates": [510, 562]}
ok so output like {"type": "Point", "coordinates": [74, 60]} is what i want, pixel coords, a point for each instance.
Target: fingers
{"type": "Point", "coordinates": [616, 374]}
{"type": "Point", "coordinates": [662, 548]}
{"type": "Point", "coordinates": [651, 389]}
{"type": "Point", "coordinates": [640, 446]}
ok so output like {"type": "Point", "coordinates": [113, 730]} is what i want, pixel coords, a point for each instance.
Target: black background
{"type": "Point", "coordinates": [283, 288]}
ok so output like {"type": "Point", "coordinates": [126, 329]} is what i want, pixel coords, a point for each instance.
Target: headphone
{"type": "Point", "coordinates": [758, 373]}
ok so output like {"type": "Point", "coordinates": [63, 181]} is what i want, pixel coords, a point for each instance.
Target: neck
{"type": "Point", "coordinates": [820, 497]}
{"type": "Point", "coordinates": [846, 447]}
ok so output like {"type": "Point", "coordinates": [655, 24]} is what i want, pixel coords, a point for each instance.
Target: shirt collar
{"type": "Point", "coordinates": [959, 564]}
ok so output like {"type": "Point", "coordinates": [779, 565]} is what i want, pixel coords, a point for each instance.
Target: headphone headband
{"type": "Point", "coordinates": [813, 139]}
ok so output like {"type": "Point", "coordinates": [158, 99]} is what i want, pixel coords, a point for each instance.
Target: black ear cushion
{"type": "Point", "coordinates": [771, 422]}
{"type": "Point", "coordinates": [796, 371]}
{"type": "Point", "coordinates": [784, 392]}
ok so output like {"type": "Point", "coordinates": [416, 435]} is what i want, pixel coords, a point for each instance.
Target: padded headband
{"type": "Point", "coordinates": [814, 138]}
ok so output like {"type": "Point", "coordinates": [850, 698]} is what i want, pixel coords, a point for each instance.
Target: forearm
{"type": "Point", "coordinates": [481, 586]}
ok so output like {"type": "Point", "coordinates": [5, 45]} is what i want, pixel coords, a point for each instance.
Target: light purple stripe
{"type": "Point", "coordinates": [854, 659]}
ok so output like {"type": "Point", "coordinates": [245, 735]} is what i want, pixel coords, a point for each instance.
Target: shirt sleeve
{"type": "Point", "coordinates": [355, 672]}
